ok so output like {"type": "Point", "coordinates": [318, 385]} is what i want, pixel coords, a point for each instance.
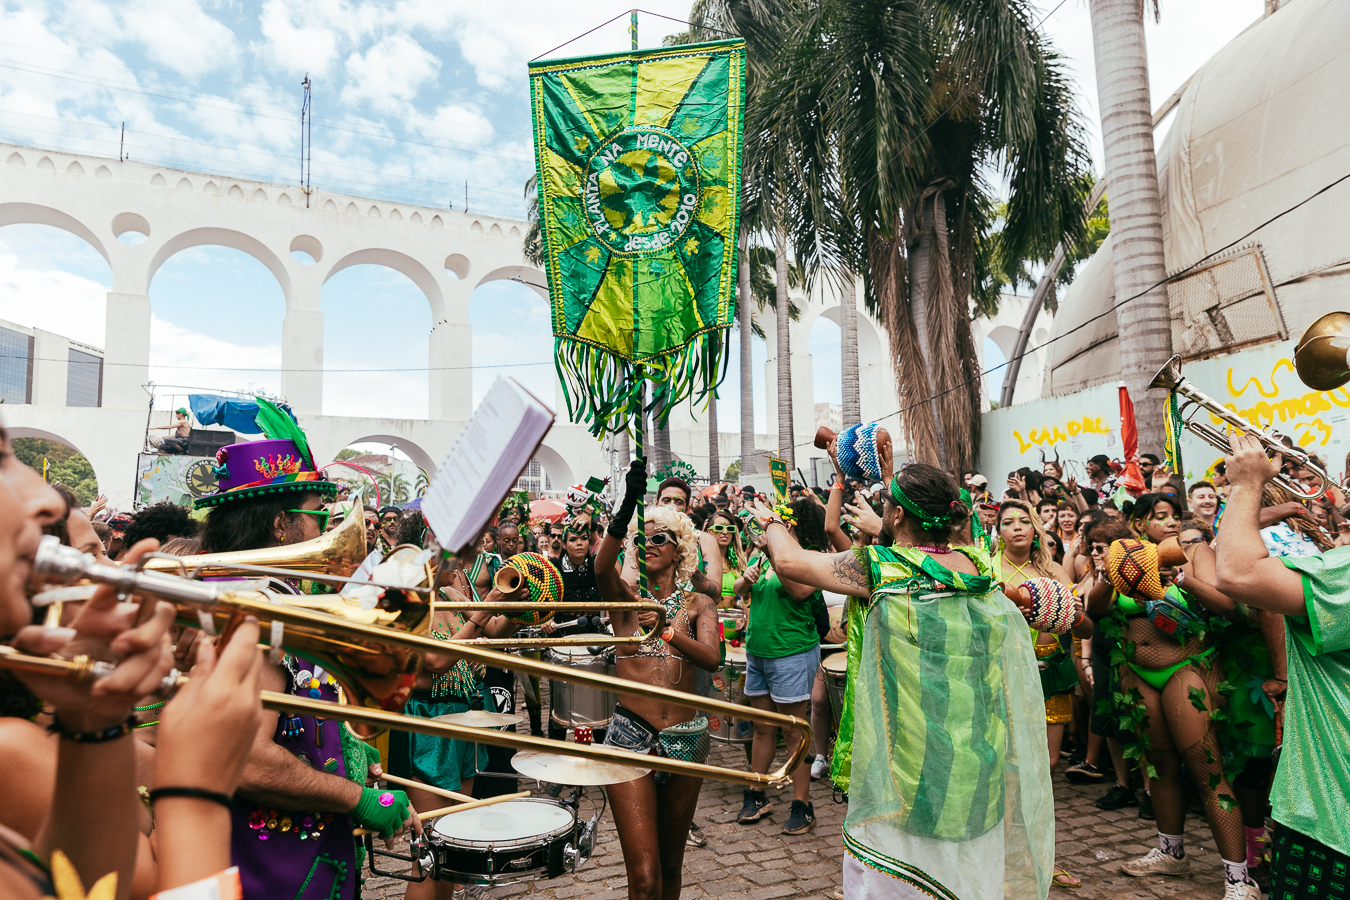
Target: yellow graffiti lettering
{"type": "Point", "coordinates": [1260, 388]}
{"type": "Point", "coordinates": [1054, 434]}
{"type": "Point", "coordinates": [1309, 437]}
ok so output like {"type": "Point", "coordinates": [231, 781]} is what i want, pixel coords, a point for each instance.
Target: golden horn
{"type": "Point", "coordinates": [375, 662]}
{"type": "Point", "coordinates": [1170, 377]}
{"type": "Point", "coordinates": [337, 552]}
{"type": "Point", "coordinates": [1320, 357]}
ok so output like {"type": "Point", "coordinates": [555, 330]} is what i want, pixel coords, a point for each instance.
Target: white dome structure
{"type": "Point", "coordinates": [1263, 125]}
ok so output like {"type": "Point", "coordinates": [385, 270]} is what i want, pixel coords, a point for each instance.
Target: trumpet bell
{"type": "Point", "coordinates": [1320, 357]}
{"type": "Point", "coordinates": [1169, 376]}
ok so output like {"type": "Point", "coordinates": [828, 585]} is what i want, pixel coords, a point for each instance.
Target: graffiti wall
{"type": "Point", "coordinates": [1259, 384]}
{"type": "Point", "coordinates": [178, 479]}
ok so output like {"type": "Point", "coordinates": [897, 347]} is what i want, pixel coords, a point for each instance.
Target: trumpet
{"type": "Point", "coordinates": [374, 655]}
{"type": "Point", "coordinates": [1170, 378]}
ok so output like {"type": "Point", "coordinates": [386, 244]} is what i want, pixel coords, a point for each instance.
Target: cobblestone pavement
{"type": "Point", "coordinates": [757, 862]}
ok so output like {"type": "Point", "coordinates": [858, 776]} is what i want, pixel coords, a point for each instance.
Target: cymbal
{"type": "Point", "coordinates": [573, 769]}
{"type": "Point", "coordinates": [479, 718]}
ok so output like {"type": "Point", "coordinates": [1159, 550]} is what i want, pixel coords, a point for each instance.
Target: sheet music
{"type": "Point", "coordinates": [485, 462]}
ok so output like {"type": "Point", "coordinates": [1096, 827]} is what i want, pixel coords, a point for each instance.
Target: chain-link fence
{"type": "Point", "coordinates": [1224, 305]}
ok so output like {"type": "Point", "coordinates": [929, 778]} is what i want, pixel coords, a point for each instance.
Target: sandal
{"type": "Point", "coordinates": [1065, 880]}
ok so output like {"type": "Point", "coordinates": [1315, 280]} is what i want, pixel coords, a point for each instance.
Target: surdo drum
{"type": "Point", "coordinates": [729, 685]}
{"type": "Point", "coordinates": [835, 667]}
{"type": "Point", "coordinates": [575, 705]}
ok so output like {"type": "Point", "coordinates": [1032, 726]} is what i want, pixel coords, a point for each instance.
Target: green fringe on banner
{"type": "Point", "coordinates": [602, 391]}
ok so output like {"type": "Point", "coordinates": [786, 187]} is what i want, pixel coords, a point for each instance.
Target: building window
{"type": "Point", "coordinates": [534, 479]}
{"type": "Point", "coordinates": [16, 366]}
{"type": "Point", "coordinates": [84, 380]}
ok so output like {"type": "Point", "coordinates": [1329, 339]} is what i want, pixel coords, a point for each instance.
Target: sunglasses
{"type": "Point", "coordinates": [660, 539]}
{"type": "Point", "coordinates": [321, 516]}
{"type": "Point", "coordinates": [721, 529]}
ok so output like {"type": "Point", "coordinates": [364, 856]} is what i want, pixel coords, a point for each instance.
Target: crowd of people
{"type": "Point", "coordinates": [1227, 693]}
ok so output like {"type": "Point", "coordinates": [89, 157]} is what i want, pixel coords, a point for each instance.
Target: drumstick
{"type": "Point", "coordinates": [430, 789]}
{"type": "Point", "coordinates": [447, 810]}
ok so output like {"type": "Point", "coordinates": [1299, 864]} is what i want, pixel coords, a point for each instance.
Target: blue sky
{"type": "Point", "coordinates": [412, 99]}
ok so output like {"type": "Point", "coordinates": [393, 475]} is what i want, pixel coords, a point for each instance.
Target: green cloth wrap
{"type": "Point", "coordinates": [1312, 784]}
{"type": "Point", "coordinates": [946, 764]}
{"type": "Point", "coordinates": [384, 820]}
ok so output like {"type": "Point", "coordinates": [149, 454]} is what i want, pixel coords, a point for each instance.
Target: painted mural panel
{"type": "Point", "coordinates": [178, 479]}
{"type": "Point", "coordinates": [1259, 384]}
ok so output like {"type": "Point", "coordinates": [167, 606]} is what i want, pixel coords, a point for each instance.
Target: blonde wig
{"type": "Point", "coordinates": [666, 518]}
{"type": "Point", "coordinates": [1041, 556]}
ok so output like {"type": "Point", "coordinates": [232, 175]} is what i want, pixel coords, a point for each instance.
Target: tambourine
{"type": "Point", "coordinates": [1048, 604]}
{"type": "Point", "coordinates": [858, 450]}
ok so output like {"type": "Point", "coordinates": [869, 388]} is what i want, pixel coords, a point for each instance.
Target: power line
{"type": "Point", "coordinates": [282, 369]}
{"type": "Point", "coordinates": [1116, 306]}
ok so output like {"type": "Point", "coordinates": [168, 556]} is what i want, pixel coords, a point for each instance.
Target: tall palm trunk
{"type": "Point", "coordinates": [714, 459]}
{"type": "Point", "coordinates": [785, 430]}
{"type": "Point", "coordinates": [848, 327]}
{"type": "Point", "coordinates": [662, 441]}
{"type": "Point", "coordinates": [1136, 218]}
{"type": "Point", "coordinates": [746, 327]}
{"type": "Point", "coordinates": [924, 289]}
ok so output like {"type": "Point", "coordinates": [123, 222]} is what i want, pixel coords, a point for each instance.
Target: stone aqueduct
{"type": "Point", "coordinates": [446, 253]}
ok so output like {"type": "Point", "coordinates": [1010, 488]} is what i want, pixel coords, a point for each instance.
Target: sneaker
{"type": "Point", "coordinates": [756, 806]}
{"type": "Point", "coordinates": [1084, 773]}
{"type": "Point", "coordinates": [695, 838]}
{"type": "Point", "coordinates": [800, 820]}
{"type": "Point", "coordinates": [1146, 805]}
{"type": "Point", "coordinates": [1119, 796]}
{"type": "Point", "coordinates": [1160, 863]}
{"type": "Point", "coordinates": [820, 768]}
{"type": "Point", "coordinates": [1240, 890]}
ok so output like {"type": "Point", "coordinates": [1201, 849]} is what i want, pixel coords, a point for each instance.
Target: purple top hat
{"type": "Point", "coordinates": [262, 468]}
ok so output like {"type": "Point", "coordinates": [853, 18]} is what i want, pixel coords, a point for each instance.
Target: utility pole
{"type": "Point", "coordinates": [466, 195]}
{"type": "Point", "coordinates": [306, 139]}
{"type": "Point", "coordinates": [122, 145]}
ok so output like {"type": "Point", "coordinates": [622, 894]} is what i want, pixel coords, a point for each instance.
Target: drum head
{"type": "Point", "coordinates": [836, 663]}
{"type": "Point", "coordinates": [510, 820]}
{"type": "Point", "coordinates": [735, 654]}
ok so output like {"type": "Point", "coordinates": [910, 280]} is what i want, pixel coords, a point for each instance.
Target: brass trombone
{"type": "Point", "coordinates": [332, 557]}
{"type": "Point", "coordinates": [374, 655]}
{"type": "Point", "coordinates": [1170, 377]}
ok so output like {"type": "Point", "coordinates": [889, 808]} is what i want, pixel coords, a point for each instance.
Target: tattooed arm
{"type": "Point", "coordinates": [838, 572]}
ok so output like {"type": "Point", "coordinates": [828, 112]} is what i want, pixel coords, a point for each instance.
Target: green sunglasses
{"type": "Point", "coordinates": [320, 514]}
{"type": "Point", "coordinates": [721, 529]}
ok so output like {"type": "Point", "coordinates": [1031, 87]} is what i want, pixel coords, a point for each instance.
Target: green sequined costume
{"type": "Point", "coordinates": [942, 741]}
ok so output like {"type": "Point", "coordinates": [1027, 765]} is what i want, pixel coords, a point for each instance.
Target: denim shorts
{"type": "Point", "coordinates": [787, 679]}
{"type": "Point", "coordinates": [688, 741]}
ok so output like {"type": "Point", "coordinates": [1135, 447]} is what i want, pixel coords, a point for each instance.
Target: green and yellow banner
{"type": "Point", "coordinates": [639, 165]}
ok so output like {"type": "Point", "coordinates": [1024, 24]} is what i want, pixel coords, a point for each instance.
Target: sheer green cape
{"type": "Point", "coordinates": [942, 747]}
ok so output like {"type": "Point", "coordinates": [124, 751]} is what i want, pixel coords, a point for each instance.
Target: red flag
{"type": "Point", "coordinates": [1131, 478]}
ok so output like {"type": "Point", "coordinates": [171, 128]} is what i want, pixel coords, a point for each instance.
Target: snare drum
{"type": "Point", "coordinates": [574, 704]}
{"type": "Point", "coordinates": [508, 842]}
{"type": "Point", "coordinates": [835, 667]}
{"type": "Point", "coordinates": [729, 685]}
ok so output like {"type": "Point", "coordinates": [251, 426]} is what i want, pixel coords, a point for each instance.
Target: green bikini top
{"type": "Point", "coordinates": [1129, 606]}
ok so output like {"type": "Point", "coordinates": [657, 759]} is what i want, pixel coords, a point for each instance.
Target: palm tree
{"type": "Point", "coordinates": [714, 458]}
{"type": "Point", "coordinates": [886, 120]}
{"type": "Point", "coordinates": [533, 245]}
{"type": "Point", "coordinates": [848, 337]}
{"type": "Point", "coordinates": [744, 320]}
{"type": "Point", "coordinates": [1132, 183]}
{"type": "Point", "coordinates": [786, 433]}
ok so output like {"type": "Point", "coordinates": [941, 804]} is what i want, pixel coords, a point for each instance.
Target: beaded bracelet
{"type": "Point", "coordinates": [93, 737]}
{"type": "Point", "coordinates": [192, 793]}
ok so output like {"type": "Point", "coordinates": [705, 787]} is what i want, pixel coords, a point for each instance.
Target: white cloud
{"type": "Point", "coordinates": [56, 301]}
{"type": "Point", "coordinates": [296, 40]}
{"type": "Point", "coordinates": [178, 356]}
{"type": "Point", "coordinates": [393, 69]}
{"type": "Point", "coordinates": [180, 35]}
